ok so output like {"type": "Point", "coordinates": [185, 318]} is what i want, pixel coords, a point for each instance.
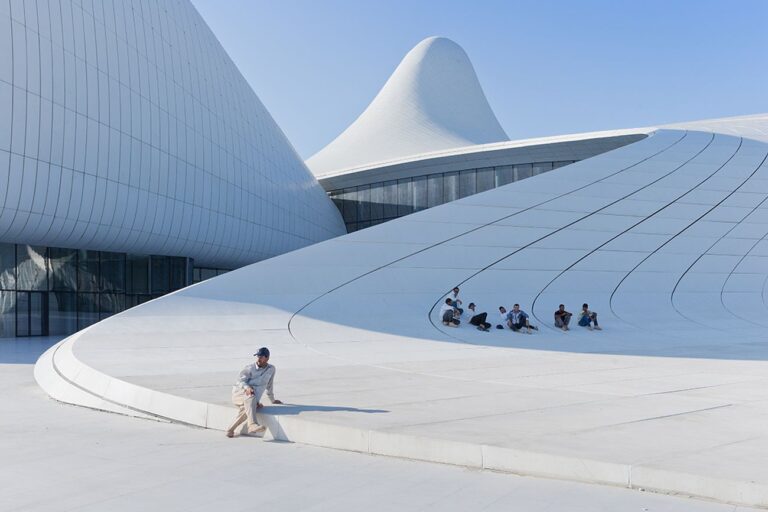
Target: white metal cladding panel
{"type": "Point", "coordinates": [125, 126]}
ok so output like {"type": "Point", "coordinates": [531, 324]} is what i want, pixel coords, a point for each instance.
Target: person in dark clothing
{"type": "Point", "coordinates": [478, 319]}
{"type": "Point", "coordinates": [562, 318]}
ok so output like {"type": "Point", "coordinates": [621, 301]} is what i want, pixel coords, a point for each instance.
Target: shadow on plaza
{"type": "Point", "coordinates": [296, 409]}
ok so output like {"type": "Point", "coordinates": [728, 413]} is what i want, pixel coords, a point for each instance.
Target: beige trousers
{"type": "Point", "coordinates": [246, 406]}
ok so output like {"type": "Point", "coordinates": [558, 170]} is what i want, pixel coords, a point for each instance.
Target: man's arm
{"type": "Point", "coordinates": [270, 388]}
{"type": "Point", "coordinates": [243, 379]}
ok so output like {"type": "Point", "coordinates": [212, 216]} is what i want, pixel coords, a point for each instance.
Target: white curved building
{"type": "Point", "coordinates": [662, 230]}
{"type": "Point", "coordinates": [126, 129]}
{"type": "Point", "coordinates": [433, 101]}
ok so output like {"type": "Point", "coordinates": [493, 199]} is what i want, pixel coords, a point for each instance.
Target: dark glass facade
{"type": "Point", "coordinates": [55, 291]}
{"type": "Point", "coordinates": [374, 203]}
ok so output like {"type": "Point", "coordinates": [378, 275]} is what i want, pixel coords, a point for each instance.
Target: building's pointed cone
{"type": "Point", "coordinates": [433, 101]}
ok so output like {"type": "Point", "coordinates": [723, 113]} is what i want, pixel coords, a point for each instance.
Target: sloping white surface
{"type": "Point", "coordinates": [124, 126]}
{"type": "Point", "coordinates": [432, 101]}
{"type": "Point", "coordinates": [665, 238]}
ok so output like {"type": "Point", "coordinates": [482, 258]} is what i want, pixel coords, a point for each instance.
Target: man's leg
{"type": "Point", "coordinates": [237, 399]}
{"type": "Point", "coordinates": [559, 322]}
{"type": "Point", "coordinates": [594, 320]}
{"type": "Point", "coordinates": [447, 317]}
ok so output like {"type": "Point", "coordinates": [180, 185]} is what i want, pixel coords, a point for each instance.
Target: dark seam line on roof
{"type": "Point", "coordinates": [290, 321]}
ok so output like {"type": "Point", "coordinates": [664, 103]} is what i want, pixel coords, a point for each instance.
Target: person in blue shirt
{"type": "Point", "coordinates": [517, 319]}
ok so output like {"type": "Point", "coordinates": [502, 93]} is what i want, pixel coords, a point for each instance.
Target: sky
{"type": "Point", "coordinates": [548, 67]}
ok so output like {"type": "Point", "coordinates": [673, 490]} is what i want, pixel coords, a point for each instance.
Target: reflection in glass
{"type": "Point", "coordinates": [110, 304]}
{"type": "Point", "coordinates": [541, 167]}
{"type": "Point", "coordinates": [63, 264]}
{"type": "Point", "coordinates": [7, 314]}
{"type": "Point", "coordinates": [7, 266]}
{"type": "Point", "coordinates": [467, 183]}
{"type": "Point", "coordinates": [450, 186]}
{"type": "Point", "coordinates": [377, 201]}
{"type": "Point", "coordinates": [112, 272]}
{"type": "Point", "coordinates": [159, 274]}
{"type": "Point", "coordinates": [364, 203]}
{"type": "Point", "coordinates": [22, 313]}
{"type": "Point", "coordinates": [87, 271]}
{"type": "Point", "coordinates": [137, 273]}
{"type": "Point", "coordinates": [505, 175]}
{"type": "Point", "coordinates": [31, 268]}
{"type": "Point", "coordinates": [485, 179]}
{"type": "Point", "coordinates": [178, 273]}
{"type": "Point", "coordinates": [404, 197]}
{"type": "Point", "coordinates": [62, 318]}
{"type": "Point", "coordinates": [349, 203]}
{"type": "Point", "coordinates": [523, 171]}
{"type": "Point", "coordinates": [419, 193]}
{"type": "Point", "coordinates": [88, 308]}
{"type": "Point", "coordinates": [434, 190]}
{"type": "Point", "coordinates": [390, 199]}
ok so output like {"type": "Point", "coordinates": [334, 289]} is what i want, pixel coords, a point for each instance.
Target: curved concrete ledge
{"type": "Point", "coordinates": [658, 229]}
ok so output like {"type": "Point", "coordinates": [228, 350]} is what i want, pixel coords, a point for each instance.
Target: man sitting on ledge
{"type": "Point", "coordinates": [253, 381]}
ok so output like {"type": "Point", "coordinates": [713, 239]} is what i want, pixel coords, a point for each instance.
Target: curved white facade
{"type": "Point", "coordinates": [124, 126]}
{"type": "Point", "coordinates": [664, 237]}
{"type": "Point", "coordinates": [433, 101]}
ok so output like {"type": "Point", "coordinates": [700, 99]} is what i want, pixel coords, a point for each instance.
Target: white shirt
{"type": "Point", "coordinates": [454, 298]}
{"type": "Point", "coordinates": [258, 379]}
{"type": "Point", "coordinates": [445, 308]}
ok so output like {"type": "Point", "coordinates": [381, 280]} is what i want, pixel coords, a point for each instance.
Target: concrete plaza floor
{"type": "Point", "coordinates": [67, 458]}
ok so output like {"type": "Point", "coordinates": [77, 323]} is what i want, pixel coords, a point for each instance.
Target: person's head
{"type": "Point", "coordinates": [448, 301]}
{"type": "Point", "coordinates": [585, 306]}
{"type": "Point", "coordinates": [456, 290]}
{"type": "Point", "coordinates": [262, 357]}
{"type": "Point", "coordinates": [562, 307]}
{"type": "Point", "coordinates": [471, 306]}
{"type": "Point", "coordinates": [516, 307]}
{"type": "Point", "coordinates": [502, 309]}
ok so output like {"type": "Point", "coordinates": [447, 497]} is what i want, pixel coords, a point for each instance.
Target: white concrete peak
{"type": "Point", "coordinates": [433, 101]}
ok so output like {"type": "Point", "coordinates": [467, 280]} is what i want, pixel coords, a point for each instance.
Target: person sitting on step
{"type": "Point", "coordinates": [588, 318]}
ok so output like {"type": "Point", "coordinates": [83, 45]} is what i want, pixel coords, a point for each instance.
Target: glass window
{"type": "Point", "coordinates": [196, 275]}
{"type": "Point", "coordinates": [556, 165]}
{"type": "Point", "coordinates": [62, 317]}
{"type": "Point", "coordinates": [112, 272]}
{"type": "Point", "coordinates": [541, 167]}
{"type": "Point", "coordinates": [110, 304]}
{"type": "Point", "coordinates": [505, 175]}
{"type": "Point", "coordinates": [7, 314]}
{"type": "Point", "coordinates": [404, 197]}
{"type": "Point", "coordinates": [137, 273]}
{"type": "Point", "coordinates": [336, 197]}
{"type": "Point", "coordinates": [7, 267]}
{"type": "Point", "coordinates": [390, 199]}
{"type": "Point", "coordinates": [364, 203]}
{"type": "Point", "coordinates": [160, 274]}
{"type": "Point", "coordinates": [349, 205]}
{"type": "Point", "coordinates": [419, 193]}
{"type": "Point", "coordinates": [377, 201]}
{"type": "Point", "coordinates": [88, 309]}
{"type": "Point", "coordinates": [22, 314]}
{"type": "Point", "coordinates": [63, 263]}
{"type": "Point", "coordinates": [523, 171]}
{"type": "Point", "coordinates": [207, 273]}
{"type": "Point", "coordinates": [467, 183]}
{"type": "Point", "coordinates": [87, 271]}
{"type": "Point", "coordinates": [450, 186]}
{"type": "Point", "coordinates": [434, 190]}
{"type": "Point", "coordinates": [485, 179]}
{"type": "Point", "coordinates": [31, 267]}
{"type": "Point", "coordinates": [178, 273]}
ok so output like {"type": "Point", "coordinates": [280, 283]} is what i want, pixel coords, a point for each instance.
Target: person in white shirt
{"type": "Point", "coordinates": [254, 380]}
{"type": "Point", "coordinates": [477, 319]}
{"type": "Point", "coordinates": [454, 296]}
{"type": "Point", "coordinates": [503, 317]}
{"type": "Point", "coordinates": [448, 314]}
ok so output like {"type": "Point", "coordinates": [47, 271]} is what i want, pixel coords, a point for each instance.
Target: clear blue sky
{"type": "Point", "coordinates": [547, 67]}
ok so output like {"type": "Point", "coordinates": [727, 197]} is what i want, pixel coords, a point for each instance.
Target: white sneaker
{"type": "Point", "coordinates": [598, 328]}
{"type": "Point", "coordinates": [256, 429]}
{"type": "Point", "coordinates": [589, 327]}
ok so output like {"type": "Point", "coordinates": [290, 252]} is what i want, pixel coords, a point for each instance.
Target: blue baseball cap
{"type": "Point", "coordinates": [263, 351]}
